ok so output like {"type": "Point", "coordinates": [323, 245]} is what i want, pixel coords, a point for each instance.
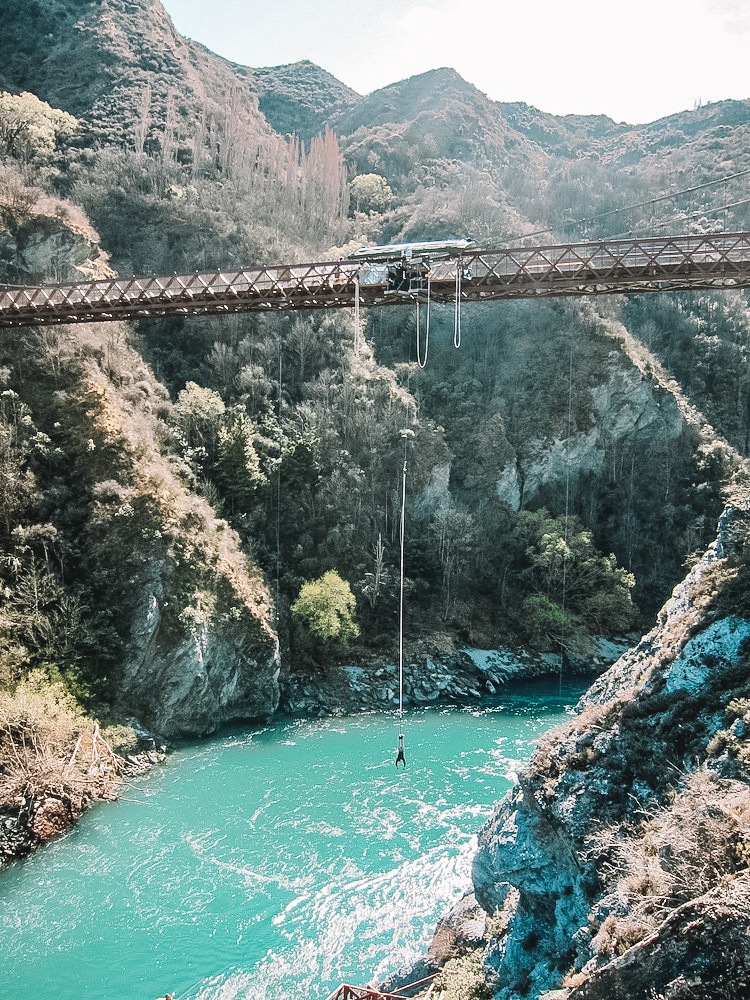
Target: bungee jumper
{"type": "Point", "coordinates": [400, 757]}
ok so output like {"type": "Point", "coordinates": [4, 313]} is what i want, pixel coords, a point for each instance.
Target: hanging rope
{"type": "Point", "coordinates": [357, 315]}
{"type": "Point", "coordinates": [423, 361]}
{"type": "Point", "coordinates": [457, 311]}
{"type": "Point", "coordinates": [566, 531]}
{"type": "Point", "coordinates": [400, 758]}
{"type": "Point", "coordinates": [278, 494]}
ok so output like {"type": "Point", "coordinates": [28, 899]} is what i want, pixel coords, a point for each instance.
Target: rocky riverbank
{"type": "Point", "coordinates": [41, 815]}
{"type": "Point", "coordinates": [435, 672]}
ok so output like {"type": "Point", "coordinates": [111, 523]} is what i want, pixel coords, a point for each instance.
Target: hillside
{"type": "Point", "coordinates": [301, 98]}
{"type": "Point", "coordinates": [455, 163]}
{"type": "Point", "coordinates": [120, 66]}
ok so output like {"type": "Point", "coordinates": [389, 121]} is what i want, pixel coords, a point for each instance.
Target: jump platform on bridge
{"type": "Point", "coordinates": [475, 274]}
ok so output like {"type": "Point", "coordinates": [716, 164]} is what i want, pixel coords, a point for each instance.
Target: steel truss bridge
{"type": "Point", "coordinates": [473, 274]}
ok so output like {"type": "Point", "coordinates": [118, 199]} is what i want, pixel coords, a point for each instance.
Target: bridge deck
{"type": "Point", "coordinates": [718, 260]}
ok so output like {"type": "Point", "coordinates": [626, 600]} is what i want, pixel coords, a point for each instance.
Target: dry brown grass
{"type": "Point", "coordinates": [49, 747]}
{"type": "Point", "coordinates": [675, 855]}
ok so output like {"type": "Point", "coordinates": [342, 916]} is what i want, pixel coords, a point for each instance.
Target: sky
{"type": "Point", "coordinates": [635, 60]}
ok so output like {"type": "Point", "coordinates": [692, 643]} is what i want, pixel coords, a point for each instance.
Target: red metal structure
{"type": "Point", "coordinates": [474, 274]}
{"type": "Point", "coordinates": [425, 989]}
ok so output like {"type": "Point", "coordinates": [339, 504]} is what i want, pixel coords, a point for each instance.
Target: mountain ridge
{"type": "Point", "coordinates": [112, 78]}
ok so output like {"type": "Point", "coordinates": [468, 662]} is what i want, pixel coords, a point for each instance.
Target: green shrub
{"type": "Point", "coordinates": [325, 607]}
{"type": "Point", "coordinates": [463, 978]}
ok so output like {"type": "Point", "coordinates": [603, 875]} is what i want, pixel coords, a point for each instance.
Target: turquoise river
{"type": "Point", "coordinates": [269, 862]}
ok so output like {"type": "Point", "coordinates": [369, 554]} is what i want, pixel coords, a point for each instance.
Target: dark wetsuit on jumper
{"type": "Point", "coordinates": [400, 758]}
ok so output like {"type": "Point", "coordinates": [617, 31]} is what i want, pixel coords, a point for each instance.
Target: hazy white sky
{"type": "Point", "coordinates": [634, 60]}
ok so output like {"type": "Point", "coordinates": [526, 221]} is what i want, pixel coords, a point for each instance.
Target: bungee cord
{"type": "Point", "coordinates": [566, 530]}
{"type": "Point", "coordinates": [400, 757]}
{"type": "Point", "coordinates": [457, 309]}
{"type": "Point", "coordinates": [422, 361]}
{"type": "Point", "coordinates": [357, 315]}
{"type": "Point", "coordinates": [422, 358]}
{"type": "Point", "coordinates": [278, 491]}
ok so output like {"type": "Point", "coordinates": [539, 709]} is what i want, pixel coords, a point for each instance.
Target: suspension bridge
{"type": "Point", "coordinates": [450, 271]}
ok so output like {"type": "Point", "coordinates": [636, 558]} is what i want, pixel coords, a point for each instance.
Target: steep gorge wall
{"type": "Point", "coordinates": [187, 634]}
{"type": "Point", "coordinates": [227, 668]}
{"type": "Point", "coordinates": [555, 405]}
{"type": "Point", "coordinates": [199, 645]}
{"type": "Point", "coordinates": [652, 733]}
{"type": "Point", "coordinates": [625, 411]}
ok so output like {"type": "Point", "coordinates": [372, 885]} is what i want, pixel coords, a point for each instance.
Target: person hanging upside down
{"type": "Point", "coordinates": [400, 755]}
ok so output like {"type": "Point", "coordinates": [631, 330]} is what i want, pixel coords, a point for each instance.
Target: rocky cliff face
{"type": "Point", "coordinates": [199, 647]}
{"type": "Point", "coordinates": [51, 246]}
{"type": "Point", "coordinates": [224, 667]}
{"type": "Point", "coordinates": [626, 411]}
{"type": "Point", "coordinates": [618, 864]}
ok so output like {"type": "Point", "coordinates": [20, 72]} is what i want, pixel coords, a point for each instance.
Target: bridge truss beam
{"type": "Point", "coordinates": [711, 261]}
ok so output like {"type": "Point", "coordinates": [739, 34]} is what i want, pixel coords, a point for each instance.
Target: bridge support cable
{"type": "Point", "coordinates": [566, 224]}
{"type": "Point", "coordinates": [703, 214]}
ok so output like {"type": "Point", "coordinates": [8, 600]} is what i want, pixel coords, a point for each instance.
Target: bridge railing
{"type": "Point", "coordinates": [716, 260]}
{"type": "Point", "coordinates": [620, 263]}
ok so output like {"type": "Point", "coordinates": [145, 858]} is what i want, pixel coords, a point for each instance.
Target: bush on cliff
{"type": "Point", "coordinates": [699, 841]}
{"type": "Point", "coordinates": [324, 614]}
{"type": "Point", "coordinates": [573, 590]}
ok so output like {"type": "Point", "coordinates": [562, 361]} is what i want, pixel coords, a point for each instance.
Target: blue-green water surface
{"type": "Point", "coordinates": [269, 863]}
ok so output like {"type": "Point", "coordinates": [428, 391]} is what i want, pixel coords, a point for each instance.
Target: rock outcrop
{"type": "Point", "coordinates": [700, 950]}
{"type": "Point", "coordinates": [52, 248]}
{"type": "Point", "coordinates": [617, 866]}
{"type": "Point", "coordinates": [225, 668]}
{"type": "Point", "coordinates": [626, 411]}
